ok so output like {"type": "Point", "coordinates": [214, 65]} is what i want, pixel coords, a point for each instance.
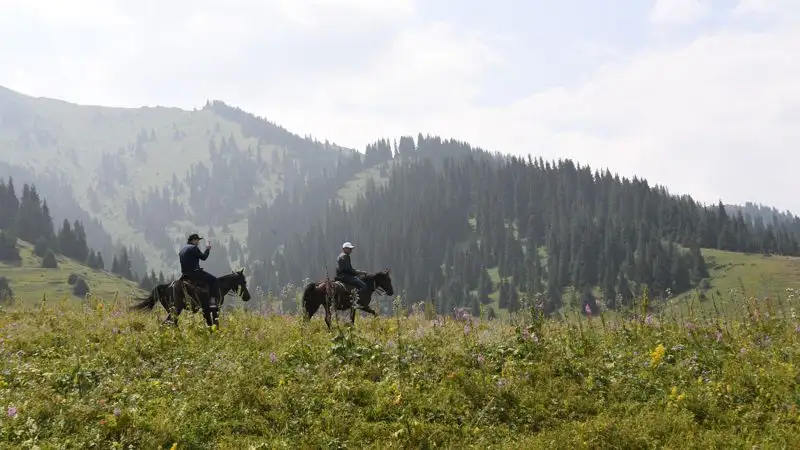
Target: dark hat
{"type": "Point", "coordinates": [193, 236]}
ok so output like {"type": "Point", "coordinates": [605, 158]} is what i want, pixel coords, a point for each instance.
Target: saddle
{"type": "Point", "coordinates": [190, 284]}
{"type": "Point", "coordinates": [189, 287]}
{"type": "Point", "coordinates": [338, 283]}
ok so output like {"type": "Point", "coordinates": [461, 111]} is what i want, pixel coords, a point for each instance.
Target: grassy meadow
{"type": "Point", "coordinates": [101, 377]}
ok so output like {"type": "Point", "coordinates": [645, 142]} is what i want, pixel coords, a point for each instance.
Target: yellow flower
{"type": "Point", "coordinates": [174, 446]}
{"type": "Point", "coordinates": [657, 355]}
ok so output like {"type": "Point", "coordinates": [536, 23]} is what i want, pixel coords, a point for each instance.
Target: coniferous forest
{"type": "Point", "coordinates": [27, 217]}
{"type": "Point", "coordinates": [458, 227]}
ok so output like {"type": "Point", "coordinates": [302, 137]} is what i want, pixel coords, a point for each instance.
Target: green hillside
{"type": "Point", "coordinates": [30, 282]}
{"type": "Point", "coordinates": [110, 156]}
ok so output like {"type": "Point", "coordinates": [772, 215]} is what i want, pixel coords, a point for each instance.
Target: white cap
{"type": "Point", "coordinates": [348, 245]}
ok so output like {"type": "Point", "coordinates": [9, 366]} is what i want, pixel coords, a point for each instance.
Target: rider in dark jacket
{"type": "Point", "coordinates": [345, 271]}
{"type": "Point", "coordinates": [190, 257]}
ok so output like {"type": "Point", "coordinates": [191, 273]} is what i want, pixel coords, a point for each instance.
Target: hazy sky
{"type": "Point", "coordinates": [702, 96]}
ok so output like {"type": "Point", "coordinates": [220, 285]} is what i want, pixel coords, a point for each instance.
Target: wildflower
{"type": "Point", "coordinates": [272, 357]}
{"type": "Point", "coordinates": [12, 412]}
{"type": "Point", "coordinates": [466, 329]}
{"type": "Point", "coordinates": [657, 354]}
{"type": "Point", "coordinates": [117, 412]}
{"type": "Point", "coordinates": [649, 319]}
{"type": "Point", "coordinates": [481, 359]}
{"type": "Point", "coordinates": [526, 334]}
{"type": "Point", "coordinates": [719, 336]}
{"type": "Point", "coordinates": [588, 310]}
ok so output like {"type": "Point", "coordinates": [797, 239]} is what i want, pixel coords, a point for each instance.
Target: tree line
{"type": "Point", "coordinates": [462, 229]}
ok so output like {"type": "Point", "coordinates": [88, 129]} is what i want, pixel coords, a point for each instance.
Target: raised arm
{"type": "Point", "coordinates": [202, 255]}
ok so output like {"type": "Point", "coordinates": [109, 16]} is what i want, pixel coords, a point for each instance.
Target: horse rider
{"type": "Point", "coordinates": [190, 257]}
{"type": "Point", "coordinates": [345, 271]}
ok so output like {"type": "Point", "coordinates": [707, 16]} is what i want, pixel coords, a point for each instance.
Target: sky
{"type": "Point", "coordinates": [698, 95]}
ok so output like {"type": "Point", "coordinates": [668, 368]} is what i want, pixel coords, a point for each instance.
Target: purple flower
{"type": "Point", "coordinates": [481, 359]}
{"type": "Point", "coordinates": [719, 336]}
{"type": "Point", "coordinates": [117, 412]}
{"type": "Point", "coordinates": [649, 319]}
{"type": "Point", "coordinates": [526, 334]}
{"type": "Point", "coordinates": [466, 329]}
{"type": "Point", "coordinates": [588, 309]}
{"type": "Point", "coordinates": [797, 329]}
{"type": "Point", "coordinates": [273, 357]}
{"type": "Point", "coordinates": [690, 325]}
{"type": "Point", "coordinates": [12, 412]}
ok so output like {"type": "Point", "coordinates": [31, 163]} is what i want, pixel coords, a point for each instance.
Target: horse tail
{"type": "Point", "coordinates": [147, 303]}
{"type": "Point", "coordinates": [309, 289]}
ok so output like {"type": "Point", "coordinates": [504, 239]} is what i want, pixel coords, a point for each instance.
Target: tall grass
{"type": "Point", "coordinates": [100, 377]}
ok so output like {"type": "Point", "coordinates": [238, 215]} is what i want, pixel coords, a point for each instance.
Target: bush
{"type": "Point", "coordinates": [40, 247]}
{"type": "Point", "coordinates": [6, 294]}
{"type": "Point", "coordinates": [49, 260]}
{"type": "Point", "coordinates": [81, 288]}
{"type": "Point", "coordinates": [8, 248]}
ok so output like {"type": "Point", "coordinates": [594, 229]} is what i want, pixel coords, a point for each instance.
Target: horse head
{"type": "Point", "coordinates": [383, 281]}
{"type": "Point", "coordinates": [240, 285]}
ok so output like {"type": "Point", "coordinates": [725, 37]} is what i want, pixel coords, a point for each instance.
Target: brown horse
{"type": "Point", "coordinates": [183, 293]}
{"type": "Point", "coordinates": [327, 292]}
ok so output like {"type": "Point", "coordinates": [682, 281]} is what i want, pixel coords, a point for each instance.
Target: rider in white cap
{"type": "Point", "coordinates": [345, 271]}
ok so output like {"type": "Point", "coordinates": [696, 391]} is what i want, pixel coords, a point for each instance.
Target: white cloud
{"type": "Point", "coordinates": [715, 117]}
{"type": "Point", "coordinates": [678, 12]}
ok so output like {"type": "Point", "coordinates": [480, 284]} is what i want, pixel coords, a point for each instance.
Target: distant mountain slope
{"type": "Point", "coordinates": [152, 174]}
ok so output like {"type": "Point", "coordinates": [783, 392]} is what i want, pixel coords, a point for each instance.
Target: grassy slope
{"type": "Point", "coordinates": [757, 275]}
{"type": "Point", "coordinates": [69, 140]}
{"type": "Point", "coordinates": [111, 379]}
{"type": "Point", "coordinates": [30, 282]}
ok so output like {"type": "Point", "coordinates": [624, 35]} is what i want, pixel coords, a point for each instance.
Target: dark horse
{"type": "Point", "coordinates": [325, 292]}
{"type": "Point", "coordinates": [173, 297]}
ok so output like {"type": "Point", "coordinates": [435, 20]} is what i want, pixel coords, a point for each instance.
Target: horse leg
{"type": "Point", "coordinates": [363, 304]}
{"type": "Point", "coordinates": [173, 309]}
{"type": "Point", "coordinates": [369, 310]}
{"type": "Point", "coordinates": [210, 311]}
{"type": "Point", "coordinates": [311, 308]}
